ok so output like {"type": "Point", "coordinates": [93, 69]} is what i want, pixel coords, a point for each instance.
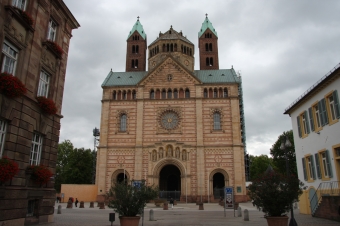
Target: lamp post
{"type": "Point", "coordinates": [285, 144]}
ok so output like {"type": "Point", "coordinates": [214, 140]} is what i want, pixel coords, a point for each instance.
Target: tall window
{"type": "Point", "coordinates": [21, 4]}
{"type": "Point", "coordinates": [169, 94]}
{"type": "Point", "coordinates": [303, 125]}
{"type": "Point", "coordinates": [332, 107]}
{"type": "Point", "coordinates": [324, 164]}
{"type": "Point", "coordinates": [205, 93]}
{"type": "Point", "coordinates": [32, 208]}
{"type": "Point", "coordinates": [10, 55]}
{"type": "Point", "coordinates": [43, 84]}
{"type": "Point", "coordinates": [36, 149]}
{"type": "Point", "coordinates": [217, 121]}
{"type": "Point", "coordinates": [52, 30]}
{"type": "Point", "coordinates": [215, 93]}
{"type": "Point", "coordinates": [310, 167]}
{"type": "Point", "coordinates": [175, 94]}
{"type": "Point", "coordinates": [187, 93]}
{"type": "Point", "coordinates": [163, 94]}
{"type": "Point", "coordinates": [225, 92]}
{"type": "Point", "coordinates": [123, 123]}
{"type": "Point", "coordinates": [3, 126]}
{"type": "Point", "coordinates": [152, 94]}
{"type": "Point", "coordinates": [317, 116]}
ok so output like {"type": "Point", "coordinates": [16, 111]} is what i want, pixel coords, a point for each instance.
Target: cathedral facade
{"type": "Point", "coordinates": [172, 126]}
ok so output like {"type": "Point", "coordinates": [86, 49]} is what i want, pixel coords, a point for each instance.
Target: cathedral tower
{"type": "Point", "coordinates": [207, 44]}
{"type": "Point", "coordinates": [136, 48]}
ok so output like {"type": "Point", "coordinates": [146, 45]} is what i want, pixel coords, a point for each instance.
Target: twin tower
{"type": "Point", "coordinates": [171, 43]}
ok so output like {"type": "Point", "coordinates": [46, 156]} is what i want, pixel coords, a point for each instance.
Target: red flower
{"type": "Point", "coordinates": [41, 174]}
{"type": "Point", "coordinates": [47, 105]}
{"type": "Point", "coordinates": [55, 47]}
{"type": "Point", "coordinates": [26, 16]}
{"type": "Point", "coordinates": [11, 86]}
{"type": "Point", "coordinates": [8, 169]}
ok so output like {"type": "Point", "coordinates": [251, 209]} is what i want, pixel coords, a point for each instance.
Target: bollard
{"type": "Point", "coordinates": [112, 217]}
{"type": "Point", "coordinates": [59, 209]}
{"type": "Point", "coordinates": [69, 204]}
{"type": "Point", "coordinates": [101, 205]}
{"type": "Point", "coordinates": [81, 204]}
{"type": "Point", "coordinates": [239, 212]}
{"type": "Point", "coordinates": [246, 215]}
{"type": "Point", "coordinates": [151, 218]}
{"type": "Point", "coordinates": [91, 204]}
{"type": "Point", "coordinates": [200, 206]}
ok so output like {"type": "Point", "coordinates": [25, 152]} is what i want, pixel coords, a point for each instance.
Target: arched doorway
{"type": "Point", "coordinates": [170, 182]}
{"type": "Point", "coordinates": [218, 185]}
{"type": "Point", "coordinates": [121, 177]}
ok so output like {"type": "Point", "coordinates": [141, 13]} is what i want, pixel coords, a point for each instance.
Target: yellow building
{"type": "Point", "coordinates": [172, 126]}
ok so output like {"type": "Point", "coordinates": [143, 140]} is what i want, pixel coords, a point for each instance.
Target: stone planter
{"type": "Point", "coordinates": [277, 221]}
{"type": "Point", "coordinates": [129, 221]}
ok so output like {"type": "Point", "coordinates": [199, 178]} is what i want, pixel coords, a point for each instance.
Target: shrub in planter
{"type": "Point", "coordinates": [274, 192]}
{"type": "Point", "coordinates": [40, 174]}
{"type": "Point", "coordinates": [11, 86]}
{"type": "Point", "coordinates": [8, 169]}
{"type": "Point", "coordinates": [47, 105]}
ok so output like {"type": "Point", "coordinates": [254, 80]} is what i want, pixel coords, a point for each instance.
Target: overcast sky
{"type": "Point", "coordinates": [280, 47]}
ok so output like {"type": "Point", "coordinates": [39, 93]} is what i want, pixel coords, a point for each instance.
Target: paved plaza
{"type": "Point", "coordinates": [182, 214]}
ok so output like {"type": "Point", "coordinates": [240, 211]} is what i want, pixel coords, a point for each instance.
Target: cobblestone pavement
{"type": "Point", "coordinates": [181, 214]}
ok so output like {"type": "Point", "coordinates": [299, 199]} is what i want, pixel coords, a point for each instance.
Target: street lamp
{"type": "Point", "coordinates": [285, 145]}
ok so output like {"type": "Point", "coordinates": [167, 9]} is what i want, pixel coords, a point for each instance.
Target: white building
{"type": "Point", "coordinates": [316, 127]}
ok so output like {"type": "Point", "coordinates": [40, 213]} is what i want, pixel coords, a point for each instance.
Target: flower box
{"type": "Point", "coordinates": [47, 105]}
{"type": "Point", "coordinates": [54, 47]}
{"type": "Point", "coordinates": [11, 86]}
{"type": "Point", "coordinates": [26, 16]}
{"type": "Point", "coordinates": [40, 174]}
{"type": "Point", "coordinates": [8, 169]}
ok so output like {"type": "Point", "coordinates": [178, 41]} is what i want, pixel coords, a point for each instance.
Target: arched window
{"type": "Point", "coordinates": [187, 93]}
{"type": "Point", "coordinates": [167, 47]}
{"type": "Point", "coordinates": [114, 95]}
{"type": "Point", "coordinates": [137, 49]}
{"type": "Point", "coordinates": [123, 123]}
{"type": "Point", "coordinates": [134, 96]}
{"type": "Point", "coordinates": [211, 63]}
{"type": "Point", "coordinates": [169, 94]}
{"type": "Point", "coordinates": [124, 95]}
{"type": "Point", "coordinates": [215, 93]}
{"type": "Point", "coordinates": [152, 94]}
{"type": "Point", "coordinates": [181, 93]}
{"type": "Point", "coordinates": [133, 49]}
{"type": "Point", "coordinates": [129, 95]}
{"type": "Point", "coordinates": [207, 61]}
{"type": "Point", "coordinates": [217, 121]}
{"type": "Point", "coordinates": [205, 93]}
{"type": "Point", "coordinates": [210, 47]}
{"type": "Point", "coordinates": [158, 94]}
{"type": "Point", "coordinates": [133, 63]}
{"type": "Point", "coordinates": [171, 47]}
{"type": "Point", "coordinates": [225, 92]}
{"type": "Point", "coordinates": [136, 63]}
{"type": "Point", "coordinates": [206, 47]}
{"type": "Point", "coordinates": [163, 94]}
{"type": "Point", "coordinates": [119, 97]}
{"type": "Point", "coordinates": [220, 93]}
{"type": "Point", "coordinates": [175, 94]}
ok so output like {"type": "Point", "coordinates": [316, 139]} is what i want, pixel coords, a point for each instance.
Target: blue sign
{"type": "Point", "coordinates": [137, 184]}
{"type": "Point", "coordinates": [229, 190]}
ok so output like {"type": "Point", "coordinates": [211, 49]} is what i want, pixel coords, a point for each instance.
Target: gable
{"type": "Point", "coordinates": [170, 71]}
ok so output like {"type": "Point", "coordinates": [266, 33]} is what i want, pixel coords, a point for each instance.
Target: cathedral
{"type": "Point", "coordinates": [172, 126]}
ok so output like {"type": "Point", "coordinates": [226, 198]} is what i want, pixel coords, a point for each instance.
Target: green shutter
{"type": "Point", "coordinates": [329, 166]}
{"type": "Point", "coordinates": [336, 103]}
{"type": "Point", "coordinates": [324, 112]}
{"type": "Point", "coordinates": [317, 165]}
{"type": "Point", "coordinates": [313, 167]}
{"type": "Point", "coordinates": [299, 126]}
{"type": "Point", "coordinates": [311, 118]}
{"type": "Point", "coordinates": [304, 168]}
{"type": "Point", "coordinates": [321, 114]}
{"type": "Point", "coordinates": [307, 122]}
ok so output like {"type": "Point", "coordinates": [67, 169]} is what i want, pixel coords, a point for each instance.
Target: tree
{"type": "Point", "coordinates": [278, 155]}
{"type": "Point", "coordinates": [74, 165]}
{"type": "Point", "coordinates": [258, 165]}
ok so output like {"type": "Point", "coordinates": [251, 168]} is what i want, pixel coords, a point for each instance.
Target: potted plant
{"type": "Point", "coordinates": [274, 193]}
{"type": "Point", "coordinates": [11, 86]}
{"type": "Point", "coordinates": [8, 169]}
{"type": "Point", "coordinates": [47, 105]}
{"type": "Point", "coordinates": [129, 201]}
{"type": "Point", "coordinates": [40, 174]}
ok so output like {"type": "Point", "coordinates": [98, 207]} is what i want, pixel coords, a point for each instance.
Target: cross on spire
{"type": "Point", "coordinates": [206, 15]}
{"type": "Point", "coordinates": [138, 18]}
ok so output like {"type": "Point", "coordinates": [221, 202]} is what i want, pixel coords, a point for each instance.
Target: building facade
{"type": "Point", "coordinates": [316, 127]}
{"type": "Point", "coordinates": [35, 37]}
{"type": "Point", "coordinates": [172, 126]}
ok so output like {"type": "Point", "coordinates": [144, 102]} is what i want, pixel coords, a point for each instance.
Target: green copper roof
{"type": "Point", "coordinates": [137, 27]}
{"type": "Point", "coordinates": [205, 25]}
{"type": "Point", "coordinates": [205, 76]}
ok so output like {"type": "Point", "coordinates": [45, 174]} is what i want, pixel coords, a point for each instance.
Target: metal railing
{"type": "Point", "coordinates": [324, 189]}
{"type": "Point", "coordinates": [313, 86]}
{"type": "Point", "coordinates": [176, 195]}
